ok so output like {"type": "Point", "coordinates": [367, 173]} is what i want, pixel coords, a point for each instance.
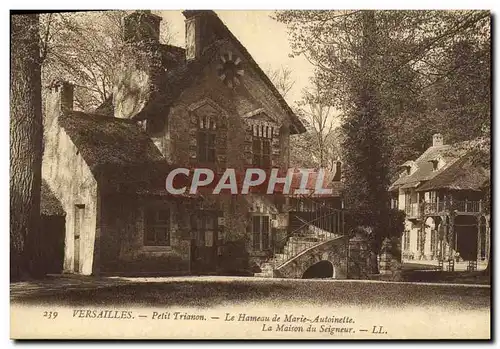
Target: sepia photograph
{"type": "Point", "coordinates": [251, 174]}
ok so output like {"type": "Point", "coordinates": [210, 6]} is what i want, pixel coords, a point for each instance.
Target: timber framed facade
{"type": "Point", "coordinates": [443, 194]}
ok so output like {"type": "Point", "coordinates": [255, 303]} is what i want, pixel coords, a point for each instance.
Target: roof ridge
{"type": "Point", "coordinates": [103, 117]}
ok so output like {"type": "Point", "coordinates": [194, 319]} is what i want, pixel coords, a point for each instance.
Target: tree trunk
{"type": "Point", "coordinates": [25, 145]}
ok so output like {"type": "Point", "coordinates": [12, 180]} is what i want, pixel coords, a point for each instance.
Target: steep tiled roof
{"type": "Point", "coordinates": [105, 140]}
{"type": "Point", "coordinates": [463, 174]}
{"type": "Point", "coordinates": [424, 167]}
{"type": "Point", "coordinates": [180, 77]}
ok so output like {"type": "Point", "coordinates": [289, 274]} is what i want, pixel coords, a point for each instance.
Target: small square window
{"type": "Point", "coordinates": [157, 227]}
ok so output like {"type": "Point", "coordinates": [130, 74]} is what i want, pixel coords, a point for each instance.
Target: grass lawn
{"type": "Point", "coordinates": [208, 292]}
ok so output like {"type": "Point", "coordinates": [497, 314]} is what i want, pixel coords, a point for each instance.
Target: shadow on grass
{"type": "Point", "coordinates": [464, 277]}
{"type": "Point", "coordinates": [204, 294]}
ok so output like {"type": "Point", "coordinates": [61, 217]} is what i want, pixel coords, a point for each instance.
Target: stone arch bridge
{"type": "Point", "coordinates": [333, 251]}
{"type": "Point", "coordinates": [317, 248]}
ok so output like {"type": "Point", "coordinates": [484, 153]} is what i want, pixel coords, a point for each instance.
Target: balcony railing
{"type": "Point", "coordinates": [468, 206]}
{"type": "Point", "coordinates": [435, 207]}
{"type": "Point", "coordinates": [459, 207]}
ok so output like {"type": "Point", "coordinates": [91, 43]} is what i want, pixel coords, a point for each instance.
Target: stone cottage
{"type": "Point", "coordinates": [442, 193]}
{"type": "Point", "coordinates": [208, 105]}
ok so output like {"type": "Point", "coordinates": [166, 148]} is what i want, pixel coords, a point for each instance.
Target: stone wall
{"type": "Point", "coordinates": [73, 184]}
{"type": "Point", "coordinates": [232, 109]}
{"type": "Point", "coordinates": [231, 106]}
{"type": "Point", "coordinates": [123, 244]}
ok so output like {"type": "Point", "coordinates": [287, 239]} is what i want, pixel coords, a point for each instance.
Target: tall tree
{"type": "Point", "coordinates": [281, 78]}
{"type": "Point", "coordinates": [84, 48]}
{"type": "Point", "coordinates": [366, 150]}
{"type": "Point", "coordinates": [319, 146]}
{"type": "Point", "coordinates": [464, 93]}
{"type": "Point", "coordinates": [415, 60]}
{"type": "Point", "coordinates": [25, 144]}
{"type": "Point", "coordinates": [344, 46]}
{"type": "Point", "coordinates": [414, 57]}
{"type": "Point", "coordinates": [320, 120]}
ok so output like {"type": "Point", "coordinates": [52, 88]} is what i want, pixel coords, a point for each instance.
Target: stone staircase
{"type": "Point", "coordinates": [308, 237]}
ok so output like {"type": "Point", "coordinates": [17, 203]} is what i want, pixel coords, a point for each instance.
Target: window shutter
{"type": "Point", "coordinates": [256, 232]}
{"type": "Point", "coordinates": [265, 232]}
{"type": "Point", "coordinates": [211, 147]}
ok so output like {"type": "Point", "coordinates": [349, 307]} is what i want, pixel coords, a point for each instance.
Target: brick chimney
{"type": "Point", "coordinates": [338, 171]}
{"type": "Point", "coordinates": [437, 140]}
{"type": "Point", "coordinates": [60, 97]}
{"type": "Point", "coordinates": [58, 100]}
{"type": "Point", "coordinates": [203, 27]}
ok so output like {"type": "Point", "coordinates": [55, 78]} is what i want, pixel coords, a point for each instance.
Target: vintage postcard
{"type": "Point", "coordinates": [287, 174]}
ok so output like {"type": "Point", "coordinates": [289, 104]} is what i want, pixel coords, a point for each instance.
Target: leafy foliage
{"type": "Point", "coordinates": [424, 64]}
{"type": "Point", "coordinates": [85, 48]}
{"type": "Point", "coordinates": [397, 77]}
{"type": "Point", "coordinates": [319, 146]}
{"type": "Point", "coordinates": [281, 78]}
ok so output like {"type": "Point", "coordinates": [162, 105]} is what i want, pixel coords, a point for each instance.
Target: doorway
{"type": "Point", "coordinates": [78, 227]}
{"type": "Point", "coordinates": [466, 237]}
{"type": "Point", "coordinates": [204, 242]}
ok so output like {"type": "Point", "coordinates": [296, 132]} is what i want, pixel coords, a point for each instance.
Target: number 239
{"type": "Point", "coordinates": [50, 314]}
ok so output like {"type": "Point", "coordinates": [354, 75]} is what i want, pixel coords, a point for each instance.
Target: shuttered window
{"type": "Point", "coordinates": [260, 229]}
{"type": "Point", "coordinates": [406, 240]}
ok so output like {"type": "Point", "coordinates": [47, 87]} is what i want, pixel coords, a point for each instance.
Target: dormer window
{"type": "Point", "coordinates": [210, 122]}
{"type": "Point", "coordinates": [437, 163]}
{"type": "Point", "coordinates": [409, 168]}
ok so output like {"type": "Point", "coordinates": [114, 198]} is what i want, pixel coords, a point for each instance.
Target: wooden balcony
{"type": "Point", "coordinates": [466, 207]}
{"type": "Point", "coordinates": [459, 207]}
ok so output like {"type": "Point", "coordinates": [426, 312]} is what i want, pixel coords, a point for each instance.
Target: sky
{"type": "Point", "coordinates": [263, 37]}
